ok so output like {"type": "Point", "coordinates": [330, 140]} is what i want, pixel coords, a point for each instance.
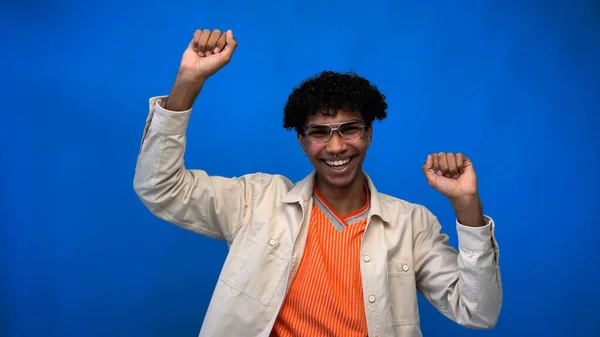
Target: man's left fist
{"type": "Point", "coordinates": [451, 174]}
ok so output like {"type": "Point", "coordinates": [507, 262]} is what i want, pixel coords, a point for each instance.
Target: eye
{"type": "Point", "coordinates": [352, 129]}
{"type": "Point", "coordinates": [318, 131]}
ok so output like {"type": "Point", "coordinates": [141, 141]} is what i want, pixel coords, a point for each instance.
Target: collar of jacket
{"type": "Point", "coordinates": [303, 191]}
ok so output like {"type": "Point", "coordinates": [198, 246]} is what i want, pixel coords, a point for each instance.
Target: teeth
{"type": "Point", "coordinates": [337, 162]}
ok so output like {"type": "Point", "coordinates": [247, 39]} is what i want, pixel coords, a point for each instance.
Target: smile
{"type": "Point", "coordinates": [338, 164]}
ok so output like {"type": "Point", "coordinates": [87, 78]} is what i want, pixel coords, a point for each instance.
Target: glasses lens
{"type": "Point", "coordinates": [318, 133]}
{"type": "Point", "coordinates": [352, 130]}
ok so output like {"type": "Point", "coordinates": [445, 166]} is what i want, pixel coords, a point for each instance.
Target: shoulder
{"type": "Point", "coordinates": [401, 212]}
{"type": "Point", "coordinates": [267, 183]}
{"type": "Point", "coordinates": [281, 188]}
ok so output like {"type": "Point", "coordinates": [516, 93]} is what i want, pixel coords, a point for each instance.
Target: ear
{"type": "Point", "coordinates": [369, 135]}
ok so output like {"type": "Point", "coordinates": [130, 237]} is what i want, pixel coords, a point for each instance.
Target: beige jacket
{"type": "Point", "coordinates": [264, 219]}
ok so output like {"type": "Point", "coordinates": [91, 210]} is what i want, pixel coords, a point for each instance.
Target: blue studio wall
{"type": "Point", "coordinates": [513, 84]}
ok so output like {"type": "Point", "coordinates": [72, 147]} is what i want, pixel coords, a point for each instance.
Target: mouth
{"type": "Point", "coordinates": [339, 164]}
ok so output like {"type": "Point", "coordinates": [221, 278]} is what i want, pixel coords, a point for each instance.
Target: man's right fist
{"type": "Point", "coordinates": [208, 52]}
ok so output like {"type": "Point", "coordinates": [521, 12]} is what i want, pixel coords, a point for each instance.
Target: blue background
{"type": "Point", "coordinates": [513, 84]}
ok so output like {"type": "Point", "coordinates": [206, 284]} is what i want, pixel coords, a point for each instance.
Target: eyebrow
{"type": "Point", "coordinates": [326, 124]}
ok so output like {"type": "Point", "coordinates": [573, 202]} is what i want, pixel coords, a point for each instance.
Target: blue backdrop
{"type": "Point", "coordinates": [513, 84]}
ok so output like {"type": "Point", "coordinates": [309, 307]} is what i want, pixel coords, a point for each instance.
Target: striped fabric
{"type": "Point", "coordinates": [326, 297]}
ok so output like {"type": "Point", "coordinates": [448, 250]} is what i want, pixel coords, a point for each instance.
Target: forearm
{"type": "Point", "coordinates": [469, 211]}
{"type": "Point", "coordinates": [183, 93]}
{"type": "Point", "coordinates": [480, 287]}
{"type": "Point", "coordinates": [465, 287]}
{"type": "Point", "coordinates": [160, 174]}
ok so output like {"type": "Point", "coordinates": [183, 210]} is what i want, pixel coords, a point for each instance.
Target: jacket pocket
{"type": "Point", "coordinates": [256, 269]}
{"type": "Point", "coordinates": [402, 293]}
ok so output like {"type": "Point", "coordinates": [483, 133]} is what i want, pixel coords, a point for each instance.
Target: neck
{"type": "Point", "coordinates": [344, 200]}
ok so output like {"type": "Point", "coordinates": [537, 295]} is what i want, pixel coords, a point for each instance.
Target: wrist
{"type": "Point", "coordinates": [469, 210]}
{"type": "Point", "coordinates": [189, 77]}
{"type": "Point", "coordinates": [465, 201]}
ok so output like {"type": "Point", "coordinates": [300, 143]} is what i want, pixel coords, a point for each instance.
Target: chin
{"type": "Point", "coordinates": [339, 182]}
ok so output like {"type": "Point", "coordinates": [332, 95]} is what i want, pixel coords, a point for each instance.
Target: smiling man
{"type": "Point", "coordinates": [328, 255]}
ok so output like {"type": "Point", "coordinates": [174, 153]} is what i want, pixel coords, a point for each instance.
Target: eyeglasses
{"type": "Point", "coordinates": [322, 133]}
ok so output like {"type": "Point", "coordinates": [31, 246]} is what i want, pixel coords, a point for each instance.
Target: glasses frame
{"type": "Point", "coordinates": [333, 128]}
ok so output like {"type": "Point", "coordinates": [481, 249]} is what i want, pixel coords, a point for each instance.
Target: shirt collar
{"type": "Point", "coordinates": [302, 191]}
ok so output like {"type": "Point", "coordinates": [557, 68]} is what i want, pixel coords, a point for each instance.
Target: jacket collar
{"type": "Point", "coordinates": [302, 191]}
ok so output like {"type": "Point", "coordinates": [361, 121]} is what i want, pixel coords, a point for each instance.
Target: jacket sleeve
{"type": "Point", "coordinates": [464, 285]}
{"type": "Point", "coordinates": [209, 205]}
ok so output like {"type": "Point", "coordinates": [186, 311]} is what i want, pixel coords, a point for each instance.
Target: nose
{"type": "Point", "coordinates": [336, 144]}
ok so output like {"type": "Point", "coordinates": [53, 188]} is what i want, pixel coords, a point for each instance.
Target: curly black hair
{"type": "Point", "coordinates": [329, 92]}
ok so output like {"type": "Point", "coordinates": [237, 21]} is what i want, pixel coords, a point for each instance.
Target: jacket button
{"type": "Point", "coordinates": [372, 298]}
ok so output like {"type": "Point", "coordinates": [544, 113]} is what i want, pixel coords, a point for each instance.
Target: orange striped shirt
{"type": "Point", "coordinates": [326, 296]}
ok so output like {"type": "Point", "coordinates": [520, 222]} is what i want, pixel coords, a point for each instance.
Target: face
{"type": "Point", "coordinates": [343, 170]}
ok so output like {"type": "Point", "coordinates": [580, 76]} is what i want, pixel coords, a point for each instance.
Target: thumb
{"type": "Point", "coordinates": [230, 44]}
{"type": "Point", "coordinates": [467, 166]}
{"type": "Point", "coordinates": [428, 169]}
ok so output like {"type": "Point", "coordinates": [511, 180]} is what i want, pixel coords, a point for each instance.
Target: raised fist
{"type": "Point", "coordinates": [208, 52]}
{"type": "Point", "coordinates": [451, 174]}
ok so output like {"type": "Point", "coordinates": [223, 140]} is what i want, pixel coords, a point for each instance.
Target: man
{"type": "Point", "coordinates": [329, 255]}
